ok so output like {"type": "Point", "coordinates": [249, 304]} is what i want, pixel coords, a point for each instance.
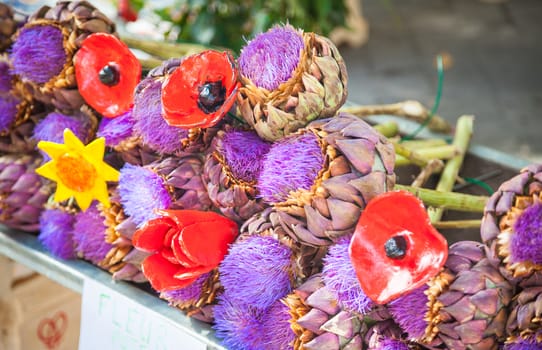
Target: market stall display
{"type": "Point", "coordinates": [247, 195]}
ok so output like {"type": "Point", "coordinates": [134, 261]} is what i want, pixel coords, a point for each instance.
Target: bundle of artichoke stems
{"type": "Point", "coordinates": [247, 194]}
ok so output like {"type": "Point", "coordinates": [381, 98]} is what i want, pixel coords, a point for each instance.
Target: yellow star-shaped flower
{"type": "Point", "coordinates": [78, 170]}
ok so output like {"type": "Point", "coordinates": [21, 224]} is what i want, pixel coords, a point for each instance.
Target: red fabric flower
{"type": "Point", "coordinates": [395, 249]}
{"type": "Point", "coordinates": [107, 73]}
{"type": "Point", "coordinates": [201, 90]}
{"type": "Point", "coordinates": [185, 243]}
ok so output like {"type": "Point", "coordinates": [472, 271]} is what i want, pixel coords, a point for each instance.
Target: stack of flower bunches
{"type": "Point", "coordinates": [512, 230]}
{"type": "Point", "coordinates": [315, 178]}
{"type": "Point", "coordinates": [463, 307]}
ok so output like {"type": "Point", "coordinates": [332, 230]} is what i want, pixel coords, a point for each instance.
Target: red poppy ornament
{"type": "Point", "coordinates": [395, 249]}
{"type": "Point", "coordinates": [185, 244]}
{"type": "Point", "coordinates": [107, 73]}
{"type": "Point", "coordinates": [201, 90]}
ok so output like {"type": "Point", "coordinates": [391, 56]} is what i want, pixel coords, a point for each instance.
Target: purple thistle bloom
{"type": "Point", "coordinates": [392, 344]}
{"type": "Point", "coordinates": [409, 312]}
{"type": "Point", "coordinates": [526, 243]}
{"type": "Point", "coordinates": [38, 53]}
{"type": "Point", "coordinates": [291, 164]}
{"type": "Point", "coordinates": [341, 279]}
{"type": "Point", "coordinates": [527, 343]}
{"type": "Point", "coordinates": [243, 152]}
{"type": "Point", "coordinates": [189, 294]}
{"type": "Point", "coordinates": [51, 128]}
{"type": "Point", "coordinates": [275, 327]}
{"type": "Point", "coordinates": [238, 325]}
{"type": "Point", "coordinates": [149, 122]}
{"type": "Point", "coordinates": [5, 77]}
{"type": "Point", "coordinates": [271, 57]}
{"type": "Point", "coordinates": [89, 235]}
{"type": "Point", "coordinates": [57, 233]}
{"type": "Point", "coordinates": [256, 271]}
{"type": "Point", "coordinates": [8, 111]}
{"type": "Point", "coordinates": [116, 130]}
{"type": "Point", "coordinates": [141, 192]}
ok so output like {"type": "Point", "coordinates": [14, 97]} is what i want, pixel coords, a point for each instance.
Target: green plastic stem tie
{"type": "Point", "coordinates": [480, 183]}
{"type": "Point", "coordinates": [440, 72]}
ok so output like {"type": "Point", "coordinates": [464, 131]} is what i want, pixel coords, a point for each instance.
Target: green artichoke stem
{"type": "Point", "coordinates": [437, 152]}
{"type": "Point", "coordinates": [457, 224]}
{"type": "Point", "coordinates": [450, 172]}
{"type": "Point", "coordinates": [150, 63]}
{"type": "Point", "coordinates": [413, 157]}
{"type": "Point", "coordinates": [409, 109]}
{"type": "Point", "coordinates": [421, 144]}
{"type": "Point", "coordinates": [447, 200]}
{"type": "Point", "coordinates": [388, 129]}
{"type": "Point", "coordinates": [163, 50]}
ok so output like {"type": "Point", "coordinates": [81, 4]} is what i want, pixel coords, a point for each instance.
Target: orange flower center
{"type": "Point", "coordinates": [75, 172]}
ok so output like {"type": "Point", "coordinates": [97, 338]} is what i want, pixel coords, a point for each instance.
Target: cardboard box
{"type": "Point", "coordinates": [50, 314]}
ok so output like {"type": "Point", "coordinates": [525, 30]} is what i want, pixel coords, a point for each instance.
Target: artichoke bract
{"type": "Point", "coordinates": [8, 26]}
{"type": "Point", "coordinates": [43, 50]}
{"type": "Point", "coordinates": [318, 321]}
{"type": "Point", "coordinates": [511, 226]}
{"type": "Point", "coordinates": [289, 78]}
{"type": "Point", "coordinates": [122, 260]}
{"type": "Point", "coordinates": [524, 323]}
{"type": "Point", "coordinates": [232, 166]}
{"type": "Point", "coordinates": [19, 113]}
{"type": "Point", "coordinates": [463, 307]}
{"type": "Point", "coordinates": [320, 178]}
{"type": "Point", "coordinates": [23, 193]}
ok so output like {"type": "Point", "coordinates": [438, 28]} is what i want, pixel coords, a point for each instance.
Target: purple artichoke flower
{"type": "Point", "coordinates": [38, 53]}
{"type": "Point", "coordinates": [529, 342]}
{"type": "Point", "coordinates": [116, 130]}
{"type": "Point", "coordinates": [141, 192]}
{"type": "Point", "coordinates": [275, 327]}
{"type": "Point", "coordinates": [271, 57]}
{"type": "Point", "coordinates": [147, 113]}
{"type": "Point", "coordinates": [256, 271]}
{"type": "Point", "coordinates": [8, 111]}
{"type": "Point", "coordinates": [189, 294]}
{"type": "Point", "coordinates": [341, 279]}
{"type": "Point", "coordinates": [237, 324]}
{"type": "Point", "coordinates": [243, 152]}
{"type": "Point", "coordinates": [409, 312]}
{"type": "Point", "coordinates": [89, 235]}
{"type": "Point", "coordinates": [51, 128]}
{"type": "Point", "coordinates": [526, 244]}
{"type": "Point", "coordinates": [57, 233]}
{"type": "Point", "coordinates": [5, 77]}
{"type": "Point", "coordinates": [291, 164]}
{"type": "Point", "coordinates": [391, 344]}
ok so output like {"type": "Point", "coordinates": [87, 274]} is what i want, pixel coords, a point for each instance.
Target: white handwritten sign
{"type": "Point", "coordinates": [111, 321]}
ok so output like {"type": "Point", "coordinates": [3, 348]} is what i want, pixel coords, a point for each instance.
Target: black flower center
{"type": "Point", "coordinates": [396, 247]}
{"type": "Point", "coordinates": [211, 96]}
{"type": "Point", "coordinates": [109, 75]}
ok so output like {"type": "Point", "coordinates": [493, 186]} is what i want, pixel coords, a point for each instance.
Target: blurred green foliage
{"type": "Point", "coordinates": [228, 23]}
